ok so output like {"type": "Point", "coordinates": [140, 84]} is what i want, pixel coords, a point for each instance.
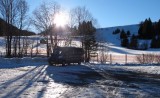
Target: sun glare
{"type": "Point", "coordinates": [61, 19]}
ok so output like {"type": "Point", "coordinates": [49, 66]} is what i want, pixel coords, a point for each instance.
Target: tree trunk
{"type": "Point", "coordinates": [47, 45]}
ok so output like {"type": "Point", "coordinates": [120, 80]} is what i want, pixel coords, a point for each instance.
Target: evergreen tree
{"type": "Point", "coordinates": [117, 31]}
{"type": "Point", "coordinates": [158, 42]}
{"type": "Point", "coordinates": [123, 34]}
{"type": "Point", "coordinates": [153, 42]}
{"type": "Point", "coordinates": [133, 42]}
{"type": "Point", "coordinates": [125, 42]}
{"type": "Point", "coordinates": [1, 33]}
{"type": "Point", "coordinates": [113, 32]}
{"type": "Point", "coordinates": [89, 44]}
{"type": "Point", "coordinates": [140, 34]}
{"type": "Point", "coordinates": [146, 30]}
{"type": "Point", "coordinates": [158, 28]}
{"type": "Point", "coordinates": [124, 39]}
{"type": "Point", "coordinates": [128, 33]}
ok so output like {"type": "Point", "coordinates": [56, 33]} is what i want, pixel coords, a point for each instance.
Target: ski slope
{"type": "Point", "coordinates": [114, 43]}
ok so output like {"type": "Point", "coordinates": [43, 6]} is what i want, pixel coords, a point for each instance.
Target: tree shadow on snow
{"type": "Point", "coordinates": [74, 75]}
{"type": "Point", "coordinates": [10, 63]}
{"type": "Point", "coordinates": [18, 85]}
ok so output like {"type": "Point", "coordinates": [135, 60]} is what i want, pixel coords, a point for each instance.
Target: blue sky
{"type": "Point", "coordinates": [112, 12]}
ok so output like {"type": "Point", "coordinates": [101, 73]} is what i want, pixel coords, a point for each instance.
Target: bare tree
{"type": "Point", "coordinates": [103, 47]}
{"type": "Point", "coordinates": [103, 51]}
{"type": "Point", "coordinates": [145, 58]}
{"type": "Point", "coordinates": [80, 14]}
{"type": "Point", "coordinates": [26, 42]}
{"type": "Point", "coordinates": [22, 9]}
{"type": "Point", "coordinates": [8, 10]}
{"type": "Point", "coordinates": [43, 20]}
{"type": "Point", "coordinates": [157, 59]}
{"type": "Point", "coordinates": [21, 20]}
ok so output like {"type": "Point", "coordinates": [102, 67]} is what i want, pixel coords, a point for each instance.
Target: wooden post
{"type": "Point", "coordinates": [97, 57]}
{"type": "Point", "coordinates": [110, 58]}
{"type": "Point", "coordinates": [126, 59]}
{"type": "Point", "coordinates": [143, 58]}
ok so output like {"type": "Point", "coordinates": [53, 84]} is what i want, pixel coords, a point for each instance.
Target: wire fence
{"type": "Point", "coordinates": [3, 54]}
{"type": "Point", "coordinates": [150, 58]}
{"type": "Point", "coordinates": [115, 58]}
{"type": "Point", "coordinates": [122, 58]}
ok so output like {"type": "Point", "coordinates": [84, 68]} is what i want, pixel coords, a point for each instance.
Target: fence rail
{"type": "Point", "coordinates": [128, 58]}
{"type": "Point", "coordinates": [111, 58]}
{"type": "Point", "coordinates": [3, 54]}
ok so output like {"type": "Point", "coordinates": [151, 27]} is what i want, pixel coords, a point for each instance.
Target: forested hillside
{"type": "Point", "coordinates": [15, 30]}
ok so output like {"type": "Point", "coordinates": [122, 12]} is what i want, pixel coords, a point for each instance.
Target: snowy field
{"type": "Point", "coordinates": [34, 78]}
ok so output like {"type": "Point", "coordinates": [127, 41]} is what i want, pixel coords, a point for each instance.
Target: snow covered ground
{"type": "Point", "coordinates": [34, 78]}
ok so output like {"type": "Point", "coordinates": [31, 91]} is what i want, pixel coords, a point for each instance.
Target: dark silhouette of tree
{"type": "Point", "coordinates": [2, 27]}
{"type": "Point", "coordinates": [124, 42]}
{"type": "Point", "coordinates": [123, 34]}
{"type": "Point", "coordinates": [153, 43]}
{"type": "Point", "coordinates": [128, 33]}
{"type": "Point", "coordinates": [117, 31]}
{"type": "Point", "coordinates": [158, 28]}
{"type": "Point", "coordinates": [140, 34]}
{"type": "Point", "coordinates": [87, 31]}
{"type": "Point", "coordinates": [146, 30]}
{"type": "Point", "coordinates": [133, 42]}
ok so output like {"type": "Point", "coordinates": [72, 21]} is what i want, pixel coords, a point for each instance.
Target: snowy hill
{"type": "Point", "coordinates": [106, 33]}
{"type": "Point", "coordinates": [113, 40]}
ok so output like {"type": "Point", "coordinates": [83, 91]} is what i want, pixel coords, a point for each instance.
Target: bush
{"type": "Point", "coordinates": [157, 59]}
{"type": "Point", "coordinates": [145, 58]}
{"type": "Point", "coordinates": [139, 59]}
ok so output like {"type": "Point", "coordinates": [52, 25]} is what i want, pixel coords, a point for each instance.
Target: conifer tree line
{"type": "Point", "coordinates": [148, 30]}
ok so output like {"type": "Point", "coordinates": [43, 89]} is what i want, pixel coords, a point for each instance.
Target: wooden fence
{"type": "Point", "coordinates": [116, 58]}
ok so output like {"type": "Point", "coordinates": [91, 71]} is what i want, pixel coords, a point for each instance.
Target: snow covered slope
{"type": "Point", "coordinates": [106, 33]}
{"type": "Point", "coordinates": [113, 40]}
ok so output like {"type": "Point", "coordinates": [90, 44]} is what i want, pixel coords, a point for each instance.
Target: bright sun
{"type": "Point", "coordinates": [61, 19]}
